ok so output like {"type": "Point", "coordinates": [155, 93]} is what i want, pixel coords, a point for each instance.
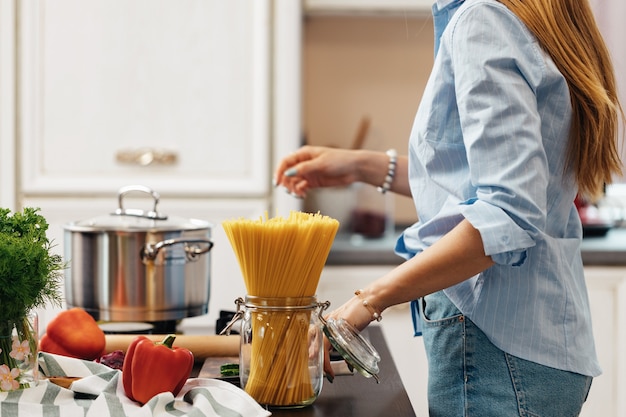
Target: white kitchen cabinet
{"type": "Point", "coordinates": [7, 101]}
{"type": "Point", "coordinates": [607, 294]}
{"type": "Point", "coordinates": [173, 94]}
{"type": "Point", "coordinates": [185, 87]}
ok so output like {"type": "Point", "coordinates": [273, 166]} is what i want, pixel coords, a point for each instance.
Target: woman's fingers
{"type": "Point", "coordinates": [289, 167]}
{"type": "Point", "coordinates": [328, 369]}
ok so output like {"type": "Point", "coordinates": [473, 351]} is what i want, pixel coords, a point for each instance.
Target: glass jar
{"type": "Point", "coordinates": [373, 212]}
{"type": "Point", "coordinates": [18, 352]}
{"type": "Point", "coordinates": [282, 355]}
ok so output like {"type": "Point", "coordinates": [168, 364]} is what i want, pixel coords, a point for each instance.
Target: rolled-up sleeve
{"type": "Point", "coordinates": [503, 240]}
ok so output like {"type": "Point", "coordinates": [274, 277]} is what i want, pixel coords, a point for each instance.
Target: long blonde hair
{"type": "Point", "coordinates": [568, 32]}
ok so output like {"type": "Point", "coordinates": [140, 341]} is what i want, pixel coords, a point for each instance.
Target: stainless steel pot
{"type": "Point", "coordinates": [135, 265]}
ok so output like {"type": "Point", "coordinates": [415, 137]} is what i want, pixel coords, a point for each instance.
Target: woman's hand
{"type": "Point", "coordinates": [315, 166]}
{"type": "Point", "coordinates": [354, 313]}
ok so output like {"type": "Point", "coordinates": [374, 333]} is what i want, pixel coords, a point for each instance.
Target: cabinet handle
{"type": "Point", "coordinates": [146, 156]}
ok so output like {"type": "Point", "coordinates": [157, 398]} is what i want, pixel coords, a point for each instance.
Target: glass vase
{"type": "Point", "coordinates": [18, 353]}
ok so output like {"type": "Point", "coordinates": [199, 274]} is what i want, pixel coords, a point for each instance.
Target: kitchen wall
{"type": "Point", "coordinates": [610, 17]}
{"type": "Point", "coordinates": [365, 66]}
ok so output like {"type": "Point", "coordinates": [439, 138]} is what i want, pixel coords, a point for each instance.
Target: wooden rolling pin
{"type": "Point", "coordinates": [202, 346]}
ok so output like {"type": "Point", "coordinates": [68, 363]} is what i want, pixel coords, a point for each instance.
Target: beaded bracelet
{"type": "Point", "coordinates": [375, 314]}
{"type": "Point", "coordinates": [391, 171]}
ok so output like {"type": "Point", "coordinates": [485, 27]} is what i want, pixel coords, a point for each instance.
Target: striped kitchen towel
{"type": "Point", "coordinates": [99, 392]}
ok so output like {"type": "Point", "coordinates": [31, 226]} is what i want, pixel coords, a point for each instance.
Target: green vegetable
{"type": "Point", "coordinates": [229, 369]}
{"type": "Point", "coordinates": [30, 275]}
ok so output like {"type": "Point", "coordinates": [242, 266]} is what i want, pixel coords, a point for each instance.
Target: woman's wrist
{"type": "Point", "coordinates": [391, 171]}
{"type": "Point", "coordinates": [354, 313]}
{"type": "Point", "coordinates": [372, 167]}
{"type": "Point", "coordinates": [375, 312]}
{"type": "Point", "coordinates": [360, 310]}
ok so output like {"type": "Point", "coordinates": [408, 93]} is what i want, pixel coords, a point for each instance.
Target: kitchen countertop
{"type": "Point", "coordinates": [349, 395]}
{"type": "Point", "coordinates": [355, 395]}
{"type": "Point", "coordinates": [609, 250]}
{"type": "Point", "coordinates": [348, 249]}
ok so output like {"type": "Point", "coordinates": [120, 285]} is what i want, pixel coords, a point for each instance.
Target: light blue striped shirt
{"type": "Point", "coordinates": [489, 144]}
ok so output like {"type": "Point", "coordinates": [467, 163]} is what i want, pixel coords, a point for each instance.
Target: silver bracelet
{"type": "Point", "coordinates": [391, 171]}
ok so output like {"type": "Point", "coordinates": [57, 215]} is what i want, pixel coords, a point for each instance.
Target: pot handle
{"type": "Point", "coordinates": [152, 214]}
{"type": "Point", "coordinates": [151, 250]}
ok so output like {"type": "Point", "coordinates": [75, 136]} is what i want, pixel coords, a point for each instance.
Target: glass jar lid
{"type": "Point", "coordinates": [353, 347]}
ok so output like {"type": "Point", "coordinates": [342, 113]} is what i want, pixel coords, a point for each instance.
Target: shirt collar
{"type": "Point", "coordinates": [441, 4]}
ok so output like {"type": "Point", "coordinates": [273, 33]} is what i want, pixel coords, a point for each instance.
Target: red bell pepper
{"type": "Point", "coordinates": [151, 368]}
{"type": "Point", "coordinates": [74, 333]}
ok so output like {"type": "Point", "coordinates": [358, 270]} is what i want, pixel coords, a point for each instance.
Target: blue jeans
{"type": "Point", "coordinates": [470, 377]}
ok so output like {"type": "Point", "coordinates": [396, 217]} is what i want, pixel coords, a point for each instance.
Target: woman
{"type": "Point", "coordinates": [519, 116]}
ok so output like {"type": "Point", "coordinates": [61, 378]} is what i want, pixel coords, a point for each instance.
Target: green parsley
{"type": "Point", "coordinates": [30, 274]}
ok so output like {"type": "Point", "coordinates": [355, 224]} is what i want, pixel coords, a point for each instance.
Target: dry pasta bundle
{"type": "Point", "coordinates": [281, 259]}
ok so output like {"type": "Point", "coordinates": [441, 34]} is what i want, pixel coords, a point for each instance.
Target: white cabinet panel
{"type": "Point", "coordinates": [103, 81]}
{"type": "Point", "coordinates": [7, 109]}
{"type": "Point", "coordinates": [607, 294]}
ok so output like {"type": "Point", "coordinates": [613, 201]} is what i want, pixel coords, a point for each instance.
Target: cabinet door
{"type": "Point", "coordinates": [171, 94]}
{"type": "Point", "coordinates": [7, 99]}
{"type": "Point", "coordinates": [607, 295]}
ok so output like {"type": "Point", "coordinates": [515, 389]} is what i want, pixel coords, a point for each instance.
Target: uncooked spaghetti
{"type": "Point", "coordinates": [281, 259]}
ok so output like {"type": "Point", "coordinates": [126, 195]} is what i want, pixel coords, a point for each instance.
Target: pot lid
{"type": "Point", "coordinates": [128, 219]}
{"type": "Point", "coordinates": [353, 347]}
